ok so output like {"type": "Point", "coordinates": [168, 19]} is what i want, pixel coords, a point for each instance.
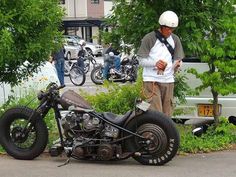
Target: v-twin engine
{"type": "Point", "coordinates": [90, 136]}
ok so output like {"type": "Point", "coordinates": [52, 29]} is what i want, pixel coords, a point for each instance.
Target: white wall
{"type": "Point", "coordinates": [75, 8]}
{"type": "Point", "coordinates": [38, 81]}
{"type": "Point", "coordinates": [107, 8]}
{"type": "Point", "coordinates": [81, 9]}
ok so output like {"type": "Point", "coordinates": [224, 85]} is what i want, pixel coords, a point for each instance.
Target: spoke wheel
{"type": "Point", "coordinates": [77, 76]}
{"type": "Point", "coordinates": [97, 75]}
{"type": "Point", "coordinates": [18, 142]}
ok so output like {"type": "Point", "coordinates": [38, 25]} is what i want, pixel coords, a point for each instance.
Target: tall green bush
{"type": "Point", "coordinates": [28, 29]}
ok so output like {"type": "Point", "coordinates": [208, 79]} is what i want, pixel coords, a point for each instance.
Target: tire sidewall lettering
{"type": "Point", "coordinates": [163, 157]}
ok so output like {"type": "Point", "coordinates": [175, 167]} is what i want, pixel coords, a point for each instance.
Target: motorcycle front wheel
{"type": "Point", "coordinates": [162, 135]}
{"type": "Point", "coordinates": [77, 76]}
{"type": "Point", "coordinates": [97, 75]}
{"type": "Point", "coordinates": [17, 143]}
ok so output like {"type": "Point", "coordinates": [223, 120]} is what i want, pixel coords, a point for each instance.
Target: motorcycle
{"type": "Point", "coordinates": [88, 60]}
{"type": "Point", "coordinates": [150, 137]}
{"type": "Point", "coordinates": [77, 75]}
{"type": "Point", "coordinates": [128, 72]}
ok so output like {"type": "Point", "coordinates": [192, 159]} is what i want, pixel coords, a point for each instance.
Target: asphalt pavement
{"type": "Point", "coordinates": [215, 164]}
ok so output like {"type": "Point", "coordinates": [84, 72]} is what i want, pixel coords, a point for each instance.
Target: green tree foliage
{"type": "Point", "coordinates": [207, 29]}
{"type": "Point", "coordinates": [217, 47]}
{"type": "Point", "coordinates": [27, 31]}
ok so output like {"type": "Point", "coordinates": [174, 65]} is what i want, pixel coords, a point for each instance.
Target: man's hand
{"type": "Point", "coordinates": [177, 65]}
{"type": "Point", "coordinates": [161, 65]}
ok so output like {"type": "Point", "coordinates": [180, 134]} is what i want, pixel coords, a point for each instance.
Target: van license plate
{"type": "Point", "coordinates": [206, 110]}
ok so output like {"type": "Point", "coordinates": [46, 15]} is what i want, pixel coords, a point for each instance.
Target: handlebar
{"type": "Point", "coordinates": [50, 89]}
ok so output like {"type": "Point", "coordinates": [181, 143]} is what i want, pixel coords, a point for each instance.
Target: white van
{"type": "Point", "coordinates": [200, 107]}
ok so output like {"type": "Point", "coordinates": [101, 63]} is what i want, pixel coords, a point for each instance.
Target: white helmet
{"type": "Point", "coordinates": [111, 54]}
{"type": "Point", "coordinates": [82, 42]}
{"type": "Point", "coordinates": [169, 19]}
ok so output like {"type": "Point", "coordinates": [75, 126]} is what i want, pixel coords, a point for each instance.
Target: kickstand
{"type": "Point", "coordinates": [66, 162]}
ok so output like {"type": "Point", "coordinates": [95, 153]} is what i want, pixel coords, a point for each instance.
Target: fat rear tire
{"type": "Point", "coordinates": [162, 129]}
{"type": "Point", "coordinates": [39, 127]}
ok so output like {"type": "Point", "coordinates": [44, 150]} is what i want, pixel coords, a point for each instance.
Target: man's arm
{"type": "Point", "coordinates": [147, 43]}
{"type": "Point", "coordinates": [146, 62]}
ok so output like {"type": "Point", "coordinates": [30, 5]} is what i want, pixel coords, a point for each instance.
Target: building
{"type": "Point", "coordinates": [84, 17]}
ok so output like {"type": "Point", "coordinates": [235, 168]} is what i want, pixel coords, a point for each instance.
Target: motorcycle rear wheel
{"type": "Point", "coordinates": [163, 135]}
{"type": "Point", "coordinates": [16, 145]}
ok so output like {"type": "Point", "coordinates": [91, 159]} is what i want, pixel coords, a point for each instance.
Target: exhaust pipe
{"type": "Point", "coordinates": [200, 130]}
{"type": "Point", "coordinates": [197, 131]}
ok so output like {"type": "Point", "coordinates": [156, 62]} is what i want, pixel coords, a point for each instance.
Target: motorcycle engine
{"type": "Point", "coordinates": [90, 136]}
{"type": "Point", "coordinates": [110, 131]}
{"type": "Point", "coordinates": [90, 123]}
{"type": "Point", "coordinates": [70, 123]}
{"type": "Point", "coordinates": [73, 122]}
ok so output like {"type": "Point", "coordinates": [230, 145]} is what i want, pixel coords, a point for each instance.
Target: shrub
{"type": "Point", "coordinates": [219, 138]}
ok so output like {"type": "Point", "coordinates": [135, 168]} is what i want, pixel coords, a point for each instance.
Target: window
{"type": "Point", "coordinates": [94, 1]}
{"type": "Point", "coordinates": [62, 1]}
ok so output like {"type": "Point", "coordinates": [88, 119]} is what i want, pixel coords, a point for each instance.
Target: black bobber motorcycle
{"type": "Point", "coordinates": [148, 136]}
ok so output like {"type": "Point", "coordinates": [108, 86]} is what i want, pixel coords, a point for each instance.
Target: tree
{"type": "Point", "coordinates": [27, 32]}
{"type": "Point", "coordinates": [207, 29]}
{"type": "Point", "coordinates": [217, 47]}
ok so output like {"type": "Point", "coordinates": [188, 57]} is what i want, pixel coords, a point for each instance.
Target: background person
{"type": "Point", "coordinates": [81, 54]}
{"type": "Point", "coordinates": [59, 62]}
{"type": "Point", "coordinates": [111, 56]}
{"type": "Point", "coordinates": [160, 55]}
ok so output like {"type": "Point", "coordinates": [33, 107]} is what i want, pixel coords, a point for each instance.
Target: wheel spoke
{"type": "Point", "coordinates": [18, 137]}
{"type": "Point", "coordinates": [77, 76]}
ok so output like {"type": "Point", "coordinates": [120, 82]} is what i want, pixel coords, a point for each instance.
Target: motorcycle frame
{"type": "Point", "coordinates": [46, 105]}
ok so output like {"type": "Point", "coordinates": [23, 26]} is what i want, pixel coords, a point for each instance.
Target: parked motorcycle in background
{"type": "Point", "coordinates": [150, 137]}
{"type": "Point", "coordinates": [88, 61]}
{"type": "Point", "coordinates": [128, 71]}
{"type": "Point", "coordinates": [76, 75]}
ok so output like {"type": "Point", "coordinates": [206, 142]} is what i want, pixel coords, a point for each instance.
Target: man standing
{"type": "Point", "coordinates": [59, 61]}
{"type": "Point", "coordinates": [160, 55]}
{"type": "Point", "coordinates": [81, 54]}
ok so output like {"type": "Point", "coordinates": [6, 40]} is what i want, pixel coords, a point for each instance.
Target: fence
{"type": "Point", "coordinates": [38, 81]}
